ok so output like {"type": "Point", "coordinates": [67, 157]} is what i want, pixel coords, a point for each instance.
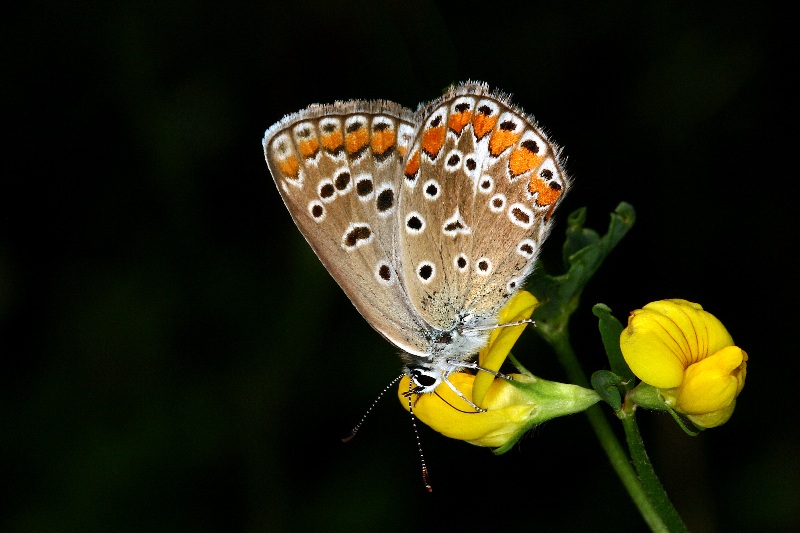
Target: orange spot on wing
{"type": "Point", "coordinates": [308, 148]}
{"type": "Point", "coordinates": [413, 166]}
{"type": "Point", "coordinates": [433, 140]}
{"type": "Point", "coordinates": [356, 140]}
{"type": "Point", "coordinates": [483, 124]}
{"type": "Point", "coordinates": [501, 140]}
{"type": "Point", "coordinates": [289, 166]}
{"type": "Point", "coordinates": [522, 160]}
{"type": "Point", "coordinates": [332, 141]}
{"type": "Point", "coordinates": [457, 121]}
{"type": "Point", "coordinates": [548, 192]}
{"type": "Point", "coordinates": [383, 141]}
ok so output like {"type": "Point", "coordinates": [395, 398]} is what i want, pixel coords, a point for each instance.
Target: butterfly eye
{"type": "Point", "coordinates": [425, 379]}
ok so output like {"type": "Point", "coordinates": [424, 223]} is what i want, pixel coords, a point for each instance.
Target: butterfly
{"type": "Point", "coordinates": [428, 220]}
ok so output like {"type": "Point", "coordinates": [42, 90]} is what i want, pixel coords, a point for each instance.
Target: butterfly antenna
{"type": "Point", "coordinates": [506, 325]}
{"type": "Point", "coordinates": [371, 407]}
{"type": "Point", "coordinates": [475, 366]}
{"type": "Point", "coordinates": [461, 395]}
{"type": "Point", "coordinates": [454, 407]}
{"type": "Point", "coordinates": [425, 478]}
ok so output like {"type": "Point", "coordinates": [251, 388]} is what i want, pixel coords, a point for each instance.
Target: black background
{"type": "Point", "coordinates": [174, 357]}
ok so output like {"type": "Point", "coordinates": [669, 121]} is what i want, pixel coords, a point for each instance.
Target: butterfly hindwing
{"type": "Point", "coordinates": [480, 183]}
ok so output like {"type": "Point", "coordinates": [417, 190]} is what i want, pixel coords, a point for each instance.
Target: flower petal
{"type": "Point", "coordinates": [712, 420]}
{"type": "Point", "coordinates": [519, 307]}
{"type": "Point", "coordinates": [666, 337]}
{"type": "Point", "coordinates": [713, 383]}
{"type": "Point", "coordinates": [649, 347]}
{"type": "Point", "coordinates": [703, 333]}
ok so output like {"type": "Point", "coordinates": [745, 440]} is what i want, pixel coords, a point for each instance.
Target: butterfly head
{"type": "Point", "coordinates": [426, 377]}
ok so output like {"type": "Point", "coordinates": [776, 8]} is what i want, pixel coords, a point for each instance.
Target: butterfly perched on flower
{"type": "Point", "coordinates": [429, 220]}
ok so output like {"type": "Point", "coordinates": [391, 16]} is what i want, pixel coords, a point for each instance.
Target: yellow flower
{"type": "Point", "coordinates": [512, 407]}
{"type": "Point", "coordinates": [507, 410]}
{"type": "Point", "coordinates": [689, 356]}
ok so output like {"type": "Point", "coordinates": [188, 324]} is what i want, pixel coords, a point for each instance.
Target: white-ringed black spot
{"type": "Point", "coordinates": [342, 181]}
{"type": "Point", "coordinates": [326, 191]}
{"type": "Point", "coordinates": [461, 262]}
{"type": "Point", "coordinates": [483, 266]}
{"type": "Point", "coordinates": [520, 215]}
{"type": "Point", "coordinates": [364, 186]}
{"type": "Point", "coordinates": [316, 210]}
{"type": "Point", "coordinates": [470, 163]}
{"type": "Point", "coordinates": [354, 126]}
{"type": "Point", "coordinates": [426, 271]}
{"type": "Point", "coordinates": [508, 125]}
{"type": "Point", "coordinates": [531, 146]}
{"type": "Point", "coordinates": [512, 285]}
{"type": "Point", "coordinates": [526, 248]}
{"type": "Point", "coordinates": [431, 190]}
{"type": "Point", "coordinates": [384, 202]}
{"type": "Point", "coordinates": [453, 160]}
{"type": "Point", "coordinates": [384, 273]}
{"type": "Point", "coordinates": [486, 184]}
{"type": "Point", "coordinates": [497, 203]}
{"type": "Point", "coordinates": [415, 224]}
{"type": "Point", "coordinates": [357, 235]}
{"type": "Point", "coordinates": [549, 171]}
{"type": "Point", "coordinates": [455, 225]}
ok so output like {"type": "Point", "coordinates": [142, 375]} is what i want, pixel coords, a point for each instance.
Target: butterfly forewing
{"type": "Point", "coordinates": [337, 168]}
{"type": "Point", "coordinates": [480, 182]}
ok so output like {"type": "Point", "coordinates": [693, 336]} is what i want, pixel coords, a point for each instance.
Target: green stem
{"type": "Point", "coordinates": [652, 486]}
{"type": "Point", "coordinates": [559, 339]}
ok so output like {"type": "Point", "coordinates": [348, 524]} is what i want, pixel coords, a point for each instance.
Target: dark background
{"type": "Point", "coordinates": [174, 357]}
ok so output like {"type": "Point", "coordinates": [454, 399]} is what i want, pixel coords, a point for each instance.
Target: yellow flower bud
{"type": "Point", "coordinates": [686, 353]}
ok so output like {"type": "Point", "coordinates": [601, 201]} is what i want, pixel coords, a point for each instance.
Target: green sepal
{"type": "Point", "coordinates": [554, 399]}
{"type": "Point", "coordinates": [684, 425]}
{"type": "Point", "coordinates": [607, 385]}
{"type": "Point", "coordinates": [583, 252]}
{"type": "Point", "coordinates": [649, 397]}
{"type": "Point", "coordinates": [610, 331]}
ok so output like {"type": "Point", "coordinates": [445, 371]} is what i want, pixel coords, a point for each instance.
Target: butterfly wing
{"type": "Point", "coordinates": [337, 167]}
{"type": "Point", "coordinates": [480, 183]}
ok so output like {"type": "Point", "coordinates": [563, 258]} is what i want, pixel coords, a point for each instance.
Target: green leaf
{"type": "Point", "coordinates": [584, 251]}
{"type": "Point", "coordinates": [610, 331]}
